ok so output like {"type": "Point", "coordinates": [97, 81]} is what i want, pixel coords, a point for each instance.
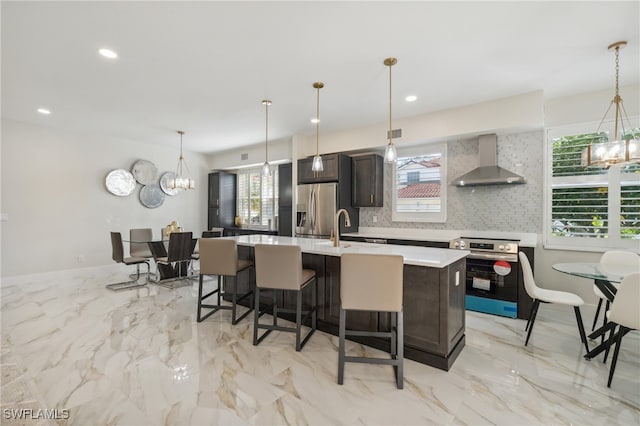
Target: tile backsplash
{"type": "Point", "coordinates": [508, 208]}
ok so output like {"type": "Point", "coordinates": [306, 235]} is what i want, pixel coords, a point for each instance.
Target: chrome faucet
{"type": "Point", "coordinates": [336, 226]}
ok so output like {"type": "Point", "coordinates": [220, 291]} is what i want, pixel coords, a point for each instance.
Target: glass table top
{"type": "Point", "coordinates": [596, 271]}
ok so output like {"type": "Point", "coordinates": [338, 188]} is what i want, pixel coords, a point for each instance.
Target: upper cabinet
{"type": "Point", "coordinates": [368, 183]}
{"type": "Point", "coordinates": [331, 164]}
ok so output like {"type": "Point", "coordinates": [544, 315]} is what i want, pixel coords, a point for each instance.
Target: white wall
{"type": "Point", "coordinates": [587, 107]}
{"type": "Point", "coordinates": [279, 151]}
{"type": "Point", "coordinates": [58, 208]}
{"type": "Point", "coordinates": [505, 115]}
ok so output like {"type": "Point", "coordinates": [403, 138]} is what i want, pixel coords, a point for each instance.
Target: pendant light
{"type": "Point", "coordinates": [182, 181]}
{"type": "Point", "coordinates": [317, 160]}
{"type": "Point", "coordinates": [625, 149]}
{"type": "Point", "coordinates": [266, 169]}
{"type": "Point", "coordinates": [390, 154]}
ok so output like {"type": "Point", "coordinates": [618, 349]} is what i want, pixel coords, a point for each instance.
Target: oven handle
{"type": "Point", "coordinates": [506, 257]}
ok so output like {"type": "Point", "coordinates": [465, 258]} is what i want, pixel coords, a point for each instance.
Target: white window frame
{"type": "Point", "coordinates": [613, 180]}
{"type": "Point", "coordinates": [275, 200]}
{"type": "Point", "coordinates": [441, 216]}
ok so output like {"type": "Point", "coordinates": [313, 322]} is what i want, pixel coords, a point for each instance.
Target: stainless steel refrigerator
{"type": "Point", "coordinates": [315, 209]}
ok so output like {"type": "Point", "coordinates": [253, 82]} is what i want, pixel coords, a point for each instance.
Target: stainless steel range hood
{"type": "Point", "coordinates": [489, 173]}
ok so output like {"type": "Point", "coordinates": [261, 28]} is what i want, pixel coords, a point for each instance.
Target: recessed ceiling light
{"type": "Point", "coordinates": [411, 98]}
{"type": "Point", "coordinates": [44, 111]}
{"type": "Point", "coordinates": [108, 53]}
{"type": "Point", "coordinates": [315, 120]}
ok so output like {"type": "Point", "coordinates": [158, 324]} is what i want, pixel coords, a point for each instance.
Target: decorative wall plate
{"type": "Point", "coordinates": [165, 183]}
{"type": "Point", "coordinates": [120, 182]}
{"type": "Point", "coordinates": [151, 196]}
{"type": "Point", "coordinates": [145, 172]}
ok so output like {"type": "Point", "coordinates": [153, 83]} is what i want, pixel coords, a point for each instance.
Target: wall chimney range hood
{"type": "Point", "coordinates": [488, 173]}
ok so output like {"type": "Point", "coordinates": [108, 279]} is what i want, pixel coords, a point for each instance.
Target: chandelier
{"type": "Point", "coordinates": [317, 160]}
{"type": "Point", "coordinates": [623, 149]}
{"type": "Point", "coordinates": [181, 181]}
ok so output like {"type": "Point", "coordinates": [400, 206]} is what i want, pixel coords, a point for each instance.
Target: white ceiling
{"type": "Point", "coordinates": [204, 67]}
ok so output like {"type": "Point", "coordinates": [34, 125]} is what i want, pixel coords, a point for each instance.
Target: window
{"type": "Point", "coordinates": [419, 195]}
{"type": "Point", "coordinates": [413, 177]}
{"type": "Point", "coordinates": [257, 201]}
{"type": "Point", "coordinates": [589, 208]}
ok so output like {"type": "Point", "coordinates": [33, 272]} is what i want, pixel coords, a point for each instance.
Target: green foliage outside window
{"type": "Point", "coordinates": [580, 209]}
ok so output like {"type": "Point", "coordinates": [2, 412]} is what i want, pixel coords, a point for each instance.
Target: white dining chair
{"type": "Point", "coordinates": [616, 261]}
{"type": "Point", "coordinates": [624, 313]}
{"type": "Point", "coordinates": [548, 296]}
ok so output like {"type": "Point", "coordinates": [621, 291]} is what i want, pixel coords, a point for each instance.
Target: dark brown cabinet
{"type": "Point", "coordinates": [221, 200]}
{"type": "Point", "coordinates": [285, 199]}
{"type": "Point", "coordinates": [368, 180]}
{"type": "Point", "coordinates": [331, 163]}
{"type": "Point", "coordinates": [434, 317]}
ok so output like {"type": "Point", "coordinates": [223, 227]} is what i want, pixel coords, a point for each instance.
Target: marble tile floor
{"type": "Point", "coordinates": [139, 357]}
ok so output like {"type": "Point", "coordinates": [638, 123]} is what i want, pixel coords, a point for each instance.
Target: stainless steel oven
{"type": "Point", "coordinates": [492, 275]}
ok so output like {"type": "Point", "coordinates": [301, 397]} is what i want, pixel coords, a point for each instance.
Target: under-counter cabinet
{"type": "Point", "coordinates": [368, 180]}
{"type": "Point", "coordinates": [222, 200]}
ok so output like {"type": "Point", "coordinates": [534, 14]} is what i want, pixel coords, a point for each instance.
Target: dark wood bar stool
{"type": "Point", "coordinates": [372, 282]}
{"type": "Point", "coordinates": [220, 257]}
{"type": "Point", "coordinates": [279, 267]}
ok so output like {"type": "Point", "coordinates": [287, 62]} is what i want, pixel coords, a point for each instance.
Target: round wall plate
{"type": "Point", "coordinates": [151, 196]}
{"type": "Point", "coordinates": [165, 183]}
{"type": "Point", "coordinates": [120, 182]}
{"type": "Point", "coordinates": [145, 172]}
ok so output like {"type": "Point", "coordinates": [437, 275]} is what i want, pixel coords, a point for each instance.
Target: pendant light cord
{"type": "Point", "coordinates": [181, 159]}
{"type": "Point", "coordinates": [318, 121]}
{"type": "Point", "coordinates": [616, 98]}
{"type": "Point", "coordinates": [266, 131]}
{"type": "Point", "coordinates": [390, 126]}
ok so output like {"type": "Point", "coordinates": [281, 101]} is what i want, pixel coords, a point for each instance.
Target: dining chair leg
{"type": "Point", "coordinates": [256, 315]}
{"type": "Point", "coordinates": [604, 317]}
{"type": "Point", "coordinates": [583, 335]}
{"type": "Point", "coordinates": [341, 346]}
{"type": "Point", "coordinates": [298, 319]}
{"type": "Point", "coordinates": [394, 334]}
{"type": "Point", "coordinates": [595, 318]}
{"type": "Point", "coordinates": [234, 298]}
{"type": "Point", "coordinates": [400, 349]}
{"type": "Point", "coordinates": [274, 311]}
{"type": "Point", "coordinates": [621, 332]}
{"type": "Point", "coordinates": [314, 303]}
{"type": "Point", "coordinates": [219, 287]}
{"type": "Point", "coordinates": [610, 341]}
{"type": "Point", "coordinates": [200, 298]}
{"type": "Point", "coordinates": [533, 307]}
{"type": "Point", "coordinates": [532, 319]}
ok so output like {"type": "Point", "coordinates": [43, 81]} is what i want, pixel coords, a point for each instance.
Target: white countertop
{"type": "Point", "coordinates": [419, 256]}
{"type": "Point", "coordinates": [525, 239]}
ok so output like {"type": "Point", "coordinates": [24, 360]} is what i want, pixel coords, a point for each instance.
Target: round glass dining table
{"type": "Point", "coordinates": [594, 270]}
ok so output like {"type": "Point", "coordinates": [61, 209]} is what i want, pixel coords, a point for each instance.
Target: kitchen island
{"type": "Point", "coordinates": [434, 315]}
